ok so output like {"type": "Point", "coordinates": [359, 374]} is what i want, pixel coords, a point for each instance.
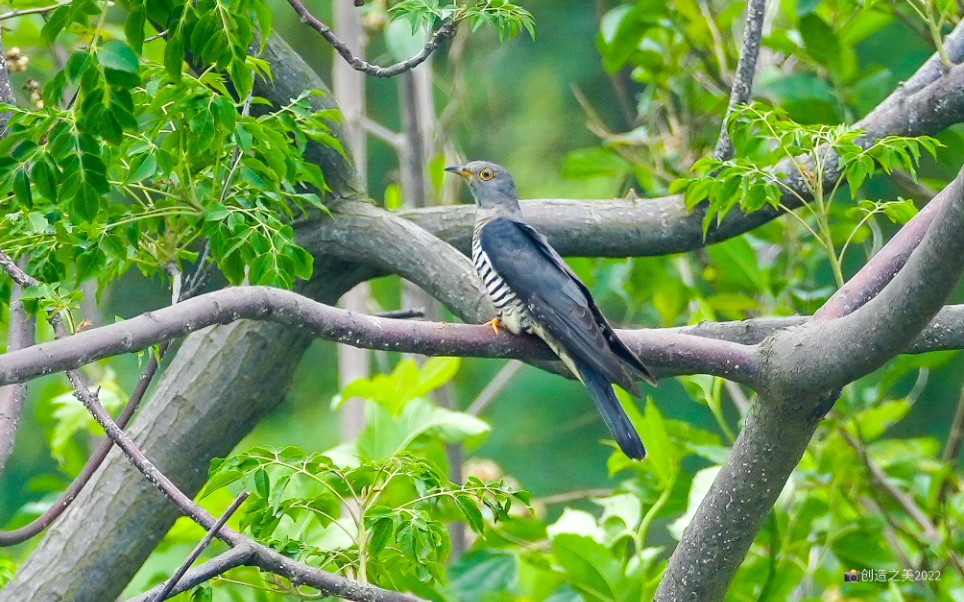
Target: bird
{"type": "Point", "coordinates": [535, 291]}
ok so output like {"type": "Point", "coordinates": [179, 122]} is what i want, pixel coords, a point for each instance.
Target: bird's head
{"type": "Point", "coordinates": [491, 185]}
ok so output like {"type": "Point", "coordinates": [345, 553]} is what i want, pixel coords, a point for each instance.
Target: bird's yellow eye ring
{"type": "Point", "coordinates": [486, 174]}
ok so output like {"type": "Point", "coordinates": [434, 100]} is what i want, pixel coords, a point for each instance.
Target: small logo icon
{"type": "Point", "coordinates": [851, 576]}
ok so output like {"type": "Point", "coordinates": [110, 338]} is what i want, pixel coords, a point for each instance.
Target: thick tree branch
{"type": "Point", "coordinates": [927, 103]}
{"type": "Point", "coordinates": [828, 354]}
{"type": "Point", "coordinates": [745, 70]}
{"type": "Point", "coordinates": [675, 352]}
{"type": "Point", "coordinates": [395, 245]}
{"type": "Point", "coordinates": [20, 336]}
{"type": "Point", "coordinates": [723, 349]}
{"type": "Point", "coordinates": [715, 543]}
{"type": "Point", "coordinates": [444, 32]}
{"type": "Point", "coordinates": [804, 368]}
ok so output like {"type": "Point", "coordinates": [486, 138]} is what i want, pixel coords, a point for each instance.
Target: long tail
{"type": "Point", "coordinates": [613, 413]}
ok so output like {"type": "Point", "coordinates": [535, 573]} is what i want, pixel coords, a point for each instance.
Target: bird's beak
{"type": "Point", "coordinates": [458, 169]}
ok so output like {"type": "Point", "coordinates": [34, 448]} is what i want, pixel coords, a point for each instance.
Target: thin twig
{"type": "Point", "coordinates": [953, 447]}
{"type": "Point", "coordinates": [17, 536]}
{"type": "Point", "coordinates": [403, 314]}
{"type": "Point", "coordinates": [881, 480]}
{"type": "Point", "coordinates": [22, 278]}
{"type": "Point", "coordinates": [19, 12]}
{"type": "Point", "coordinates": [33, 528]}
{"type": "Point", "coordinates": [238, 556]}
{"type": "Point", "coordinates": [745, 69]}
{"type": "Point", "coordinates": [495, 386]}
{"type": "Point", "coordinates": [446, 31]}
{"type": "Point", "coordinates": [208, 537]}
{"type": "Point", "coordinates": [567, 497]}
{"type": "Point", "coordinates": [263, 557]}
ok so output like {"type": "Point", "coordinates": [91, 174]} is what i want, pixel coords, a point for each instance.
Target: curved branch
{"type": "Point", "coordinates": [805, 367]}
{"type": "Point", "coordinates": [395, 245]}
{"type": "Point", "coordinates": [267, 559]}
{"type": "Point", "coordinates": [446, 31]}
{"type": "Point", "coordinates": [745, 69]}
{"type": "Point", "coordinates": [667, 351]}
{"type": "Point", "coordinates": [723, 349]}
{"type": "Point", "coordinates": [662, 225]}
{"type": "Point", "coordinates": [827, 354]}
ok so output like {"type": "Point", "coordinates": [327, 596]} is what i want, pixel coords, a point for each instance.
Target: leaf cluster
{"type": "Point", "coordinates": [377, 507]}
{"type": "Point", "coordinates": [507, 18]}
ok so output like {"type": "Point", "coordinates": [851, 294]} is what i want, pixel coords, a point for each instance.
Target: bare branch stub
{"type": "Point", "coordinates": [444, 32]}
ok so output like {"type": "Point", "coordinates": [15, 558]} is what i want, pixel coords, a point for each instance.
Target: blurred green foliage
{"type": "Point", "coordinates": [121, 157]}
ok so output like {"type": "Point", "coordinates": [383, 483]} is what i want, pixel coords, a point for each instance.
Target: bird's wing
{"type": "Point", "coordinates": [558, 299]}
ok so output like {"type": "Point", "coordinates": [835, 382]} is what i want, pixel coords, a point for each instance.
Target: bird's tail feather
{"type": "Point", "coordinates": [613, 413]}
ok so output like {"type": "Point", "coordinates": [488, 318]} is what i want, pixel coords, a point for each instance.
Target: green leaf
{"type": "Point", "coordinates": [118, 56]}
{"type": "Point", "coordinates": [134, 25]}
{"type": "Point", "coordinates": [174, 55]}
{"type": "Point", "coordinates": [470, 510]}
{"type": "Point", "coordinates": [386, 435]}
{"type": "Point", "coordinates": [262, 483]}
{"type": "Point", "coordinates": [873, 422]}
{"type": "Point", "coordinates": [662, 456]}
{"type": "Point", "coordinates": [142, 167]}
{"type": "Point", "coordinates": [220, 479]}
{"type": "Point", "coordinates": [589, 566]}
{"type": "Point", "coordinates": [819, 39]}
{"type": "Point", "coordinates": [21, 188]}
{"type": "Point", "coordinates": [434, 373]}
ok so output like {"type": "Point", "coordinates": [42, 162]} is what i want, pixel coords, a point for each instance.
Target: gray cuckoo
{"type": "Point", "coordinates": [534, 291]}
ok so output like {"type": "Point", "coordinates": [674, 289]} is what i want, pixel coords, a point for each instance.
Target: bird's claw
{"type": "Point", "coordinates": [494, 323]}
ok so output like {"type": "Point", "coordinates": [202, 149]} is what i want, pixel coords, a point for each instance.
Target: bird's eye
{"type": "Point", "coordinates": [486, 174]}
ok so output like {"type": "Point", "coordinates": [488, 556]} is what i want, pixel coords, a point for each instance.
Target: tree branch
{"type": "Point", "coordinates": [728, 519]}
{"type": "Point", "coordinates": [446, 31]}
{"type": "Point", "coordinates": [674, 352]}
{"type": "Point", "coordinates": [795, 392]}
{"type": "Point", "coordinates": [37, 10]}
{"type": "Point", "coordinates": [240, 555]}
{"type": "Point", "coordinates": [265, 558]}
{"type": "Point", "coordinates": [221, 382]}
{"type": "Point", "coordinates": [175, 579]}
{"type": "Point", "coordinates": [745, 70]}
{"type": "Point", "coordinates": [724, 349]}
{"type": "Point", "coordinates": [20, 335]}
{"type": "Point", "coordinates": [828, 354]}
{"type": "Point", "coordinates": [34, 527]}
{"type": "Point", "coordinates": [662, 225]}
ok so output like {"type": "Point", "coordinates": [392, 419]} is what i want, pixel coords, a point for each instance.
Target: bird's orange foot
{"type": "Point", "coordinates": [494, 323]}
